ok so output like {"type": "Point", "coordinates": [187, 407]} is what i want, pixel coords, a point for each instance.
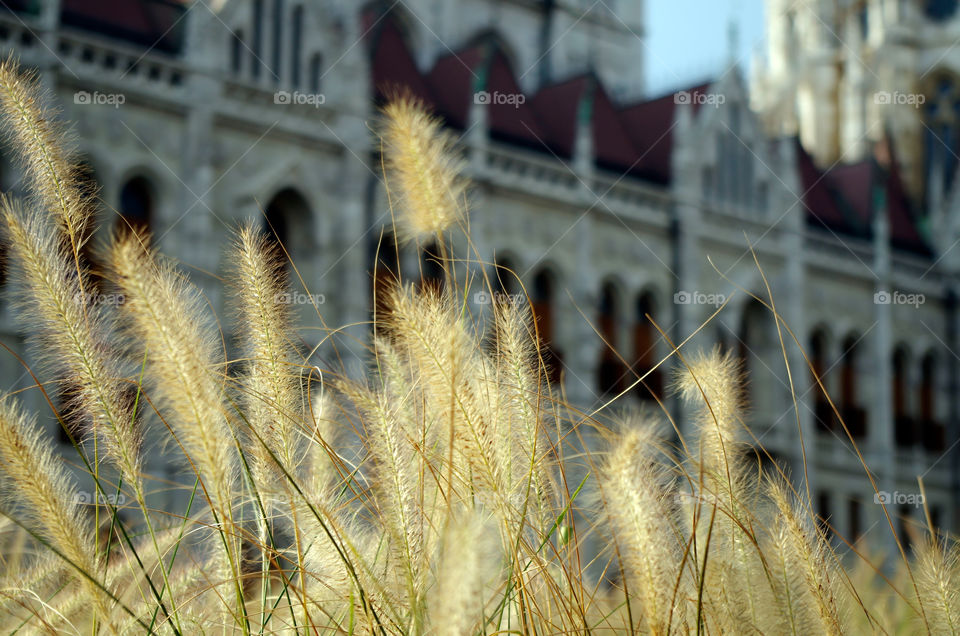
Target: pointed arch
{"type": "Point", "coordinates": [543, 298]}
{"type": "Point", "coordinates": [904, 426]}
{"type": "Point", "coordinates": [289, 221]}
{"type": "Point", "coordinates": [611, 371]}
{"type": "Point", "coordinates": [819, 355]}
{"type": "Point", "coordinates": [645, 341]}
{"type": "Point", "coordinates": [854, 415]}
{"type": "Point", "coordinates": [931, 430]}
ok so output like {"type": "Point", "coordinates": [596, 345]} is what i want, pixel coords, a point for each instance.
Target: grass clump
{"type": "Point", "coordinates": [434, 495]}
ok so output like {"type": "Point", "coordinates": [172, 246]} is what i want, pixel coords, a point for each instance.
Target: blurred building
{"type": "Point", "coordinates": [620, 214]}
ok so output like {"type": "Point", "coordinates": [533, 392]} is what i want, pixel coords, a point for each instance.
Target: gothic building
{"type": "Point", "coordinates": [621, 213]}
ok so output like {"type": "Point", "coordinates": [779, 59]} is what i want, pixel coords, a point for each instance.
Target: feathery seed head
{"type": "Point", "coordinates": [422, 168]}
{"type": "Point", "coordinates": [43, 149]}
{"type": "Point", "coordinates": [712, 383]}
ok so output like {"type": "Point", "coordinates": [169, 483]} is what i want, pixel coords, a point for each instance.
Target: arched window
{"type": "Point", "coordinates": [853, 414]}
{"type": "Point", "coordinates": [236, 52]}
{"type": "Point", "coordinates": [136, 206]}
{"type": "Point", "coordinates": [903, 423]}
{"type": "Point", "coordinates": [385, 277]}
{"type": "Point", "coordinates": [759, 351]}
{"type": "Point", "coordinates": [90, 183]}
{"type": "Point", "coordinates": [645, 338]}
{"type": "Point", "coordinates": [316, 72]}
{"type": "Point", "coordinates": [854, 513]}
{"type": "Point", "coordinates": [824, 511]}
{"type": "Point", "coordinates": [542, 297]}
{"type": "Point", "coordinates": [431, 268]}
{"type": "Point", "coordinates": [296, 46]}
{"type": "Point", "coordinates": [504, 278]}
{"type": "Point", "coordinates": [823, 412]}
{"type": "Point", "coordinates": [931, 430]}
{"type": "Point", "coordinates": [289, 222]}
{"type": "Point", "coordinates": [610, 374]}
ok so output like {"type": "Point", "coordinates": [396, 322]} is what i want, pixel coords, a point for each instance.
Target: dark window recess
{"type": "Point", "coordinates": [257, 52]}
{"type": "Point", "coordinates": [940, 9]}
{"type": "Point", "coordinates": [316, 72]}
{"type": "Point", "coordinates": [296, 47]}
{"type": "Point", "coordinates": [136, 206]}
{"type": "Point", "coordinates": [432, 275]}
{"type": "Point", "coordinates": [610, 374]}
{"type": "Point", "coordinates": [645, 351]}
{"type": "Point", "coordinates": [542, 300]}
{"type": "Point", "coordinates": [826, 418]}
{"type": "Point", "coordinates": [855, 417]}
{"type": "Point", "coordinates": [236, 52]}
{"type": "Point", "coordinates": [384, 278]}
{"type": "Point", "coordinates": [823, 511]}
{"type": "Point", "coordinates": [854, 513]}
{"type": "Point", "coordinates": [277, 40]}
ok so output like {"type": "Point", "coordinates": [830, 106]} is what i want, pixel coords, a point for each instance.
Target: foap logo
{"type": "Point", "coordinates": [898, 298]}
{"type": "Point", "coordinates": [690, 498]}
{"type": "Point", "coordinates": [700, 99]}
{"type": "Point", "coordinates": [299, 298]}
{"type": "Point", "coordinates": [896, 98]}
{"type": "Point", "coordinates": [96, 299]}
{"type": "Point", "coordinates": [296, 98]}
{"type": "Point", "coordinates": [83, 497]}
{"type": "Point", "coordinates": [898, 498]}
{"type": "Point", "coordinates": [485, 98]}
{"type": "Point", "coordinates": [698, 298]}
{"type": "Point", "coordinates": [485, 298]}
{"type": "Point", "coordinates": [86, 98]}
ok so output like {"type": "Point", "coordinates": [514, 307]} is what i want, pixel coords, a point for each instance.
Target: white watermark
{"type": "Point", "coordinates": [84, 497]}
{"type": "Point", "coordinates": [898, 498]}
{"type": "Point", "coordinates": [700, 99]}
{"type": "Point", "coordinates": [696, 499]}
{"type": "Point", "coordinates": [296, 98]}
{"type": "Point", "coordinates": [299, 298]}
{"type": "Point", "coordinates": [698, 298]}
{"type": "Point", "coordinates": [86, 98]}
{"type": "Point", "coordinates": [97, 299]}
{"type": "Point", "coordinates": [496, 97]}
{"type": "Point", "coordinates": [485, 298]}
{"type": "Point", "coordinates": [896, 98]}
{"type": "Point", "coordinates": [898, 298]}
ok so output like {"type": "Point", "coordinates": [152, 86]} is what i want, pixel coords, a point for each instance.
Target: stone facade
{"type": "Point", "coordinates": [265, 108]}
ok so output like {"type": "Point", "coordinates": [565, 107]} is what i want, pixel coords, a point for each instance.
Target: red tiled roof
{"type": "Point", "coordinates": [452, 82]}
{"type": "Point", "coordinates": [555, 107]}
{"type": "Point", "coordinates": [842, 199]}
{"type": "Point", "coordinates": [649, 125]}
{"type": "Point", "coordinates": [612, 145]}
{"type": "Point", "coordinates": [157, 24]}
{"type": "Point", "coordinates": [517, 122]}
{"type": "Point", "coordinates": [393, 66]}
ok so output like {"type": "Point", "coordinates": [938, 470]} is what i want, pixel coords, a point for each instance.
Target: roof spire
{"type": "Point", "coordinates": [733, 41]}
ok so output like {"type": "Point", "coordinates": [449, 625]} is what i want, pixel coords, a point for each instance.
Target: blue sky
{"type": "Point", "coordinates": [687, 40]}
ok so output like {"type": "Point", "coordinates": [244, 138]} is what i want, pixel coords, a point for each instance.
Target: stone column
{"type": "Point", "coordinates": [880, 438]}
{"type": "Point", "coordinates": [686, 262]}
{"type": "Point", "coordinates": [791, 307]}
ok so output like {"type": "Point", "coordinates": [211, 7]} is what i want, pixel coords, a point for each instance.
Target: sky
{"type": "Point", "coordinates": [688, 41]}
